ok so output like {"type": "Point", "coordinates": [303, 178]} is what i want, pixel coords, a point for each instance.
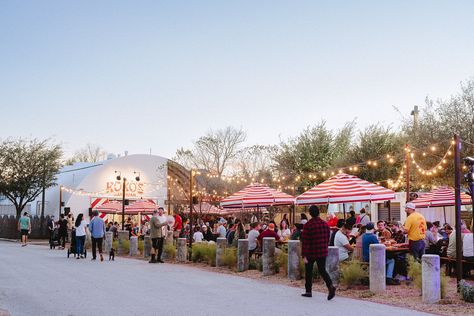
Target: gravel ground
{"type": "Point", "coordinates": [39, 281]}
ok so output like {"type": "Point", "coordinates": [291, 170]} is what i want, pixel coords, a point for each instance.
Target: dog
{"type": "Point", "coordinates": [112, 254]}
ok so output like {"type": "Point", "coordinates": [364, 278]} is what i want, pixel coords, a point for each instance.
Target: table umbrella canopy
{"type": "Point", "coordinates": [139, 206]}
{"type": "Point", "coordinates": [257, 195]}
{"type": "Point", "coordinates": [439, 197]}
{"type": "Point", "coordinates": [207, 209]}
{"type": "Point", "coordinates": [344, 188]}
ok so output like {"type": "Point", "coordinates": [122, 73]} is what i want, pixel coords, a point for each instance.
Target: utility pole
{"type": "Point", "coordinates": [60, 200]}
{"type": "Point", "coordinates": [191, 206]}
{"type": "Point", "coordinates": [457, 200]}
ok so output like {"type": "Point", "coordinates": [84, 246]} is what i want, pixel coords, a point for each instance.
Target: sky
{"type": "Point", "coordinates": [156, 75]}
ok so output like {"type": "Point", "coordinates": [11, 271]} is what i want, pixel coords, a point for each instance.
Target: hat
{"type": "Point", "coordinates": [271, 226]}
{"type": "Point", "coordinates": [369, 226]}
{"type": "Point", "coordinates": [410, 205]}
{"type": "Point", "coordinates": [303, 221]}
{"type": "Point", "coordinates": [204, 226]}
{"type": "Point", "coordinates": [222, 221]}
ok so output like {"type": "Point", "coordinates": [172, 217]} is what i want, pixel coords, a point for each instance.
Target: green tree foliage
{"type": "Point", "coordinates": [26, 167]}
{"type": "Point", "coordinates": [375, 142]}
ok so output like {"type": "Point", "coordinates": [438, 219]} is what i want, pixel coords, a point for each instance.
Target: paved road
{"type": "Point", "coordinates": [37, 281]}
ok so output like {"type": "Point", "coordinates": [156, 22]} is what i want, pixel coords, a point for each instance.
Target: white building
{"type": "Point", "coordinates": [85, 185]}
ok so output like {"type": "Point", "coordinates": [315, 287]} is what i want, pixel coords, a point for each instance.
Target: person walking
{"type": "Point", "coordinates": [97, 228]}
{"type": "Point", "coordinates": [81, 228]}
{"type": "Point", "coordinates": [70, 225]}
{"type": "Point", "coordinates": [157, 235]}
{"type": "Point", "coordinates": [315, 240]}
{"type": "Point", "coordinates": [62, 231]}
{"type": "Point", "coordinates": [24, 226]}
{"type": "Point", "coordinates": [415, 227]}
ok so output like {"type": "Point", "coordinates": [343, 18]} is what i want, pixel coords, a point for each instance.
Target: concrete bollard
{"type": "Point", "coordinates": [122, 238]}
{"type": "Point", "coordinates": [377, 267]}
{"type": "Point", "coordinates": [109, 238]}
{"type": "Point", "coordinates": [242, 255]}
{"type": "Point", "coordinates": [169, 237]}
{"type": "Point", "coordinates": [221, 245]}
{"type": "Point", "coordinates": [294, 255]}
{"type": "Point", "coordinates": [146, 246]}
{"type": "Point", "coordinates": [431, 283]}
{"type": "Point", "coordinates": [181, 254]}
{"type": "Point", "coordinates": [133, 246]}
{"type": "Point", "coordinates": [268, 256]}
{"type": "Point", "coordinates": [332, 264]}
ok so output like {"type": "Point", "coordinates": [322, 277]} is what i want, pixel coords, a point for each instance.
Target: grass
{"type": "Point", "coordinates": [229, 258]}
{"type": "Point", "coordinates": [169, 251]}
{"type": "Point", "coordinates": [353, 273]}
{"type": "Point", "coordinates": [204, 252]}
{"type": "Point", "coordinates": [281, 263]}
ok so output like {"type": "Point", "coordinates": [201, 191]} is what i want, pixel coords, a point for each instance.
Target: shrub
{"type": "Point", "coordinates": [230, 257]}
{"type": "Point", "coordinates": [353, 273]}
{"type": "Point", "coordinates": [204, 252]}
{"type": "Point", "coordinates": [141, 244]}
{"type": "Point", "coordinates": [170, 251]}
{"type": "Point", "coordinates": [253, 264]}
{"type": "Point", "coordinates": [260, 264]}
{"type": "Point", "coordinates": [414, 271]}
{"type": "Point", "coordinates": [467, 291]}
{"type": "Point", "coordinates": [115, 244]}
{"type": "Point", "coordinates": [281, 263]}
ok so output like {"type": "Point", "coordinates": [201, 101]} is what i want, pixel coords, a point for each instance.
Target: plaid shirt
{"type": "Point", "coordinates": [315, 239]}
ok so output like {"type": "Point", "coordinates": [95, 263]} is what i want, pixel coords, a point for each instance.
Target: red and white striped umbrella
{"type": "Point", "coordinates": [109, 207]}
{"type": "Point", "coordinates": [257, 195]}
{"type": "Point", "coordinates": [439, 197]}
{"type": "Point", "coordinates": [344, 188]}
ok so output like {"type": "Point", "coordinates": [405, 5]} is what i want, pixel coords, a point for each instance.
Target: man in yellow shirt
{"type": "Point", "coordinates": [415, 227]}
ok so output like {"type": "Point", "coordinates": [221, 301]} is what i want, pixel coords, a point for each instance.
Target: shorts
{"type": "Point", "coordinates": [25, 232]}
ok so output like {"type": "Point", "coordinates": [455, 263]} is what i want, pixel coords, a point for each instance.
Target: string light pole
{"type": "Point", "coordinates": [457, 200]}
{"type": "Point", "coordinates": [191, 206]}
{"type": "Point", "coordinates": [407, 167]}
{"type": "Point", "coordinates": [469, 177]}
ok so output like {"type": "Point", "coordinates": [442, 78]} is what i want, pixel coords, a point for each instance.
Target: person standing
{"type": "Point", "coordinates": [363, 218]}
{"type": "Point", "coordinates": [62, 224]}
{"type": "Point", "coordinates": [24, 226]}
{"type": "Point", "coordinates": [157, 236]}
{"type": "Point", "coordinates": [415, 226]}
{"type": "Point", "coordinates": [178, 226]}
{"type": "Point", "coordinates": [315, 240]}
{"type": "Point", "coordinates": [81, 228]}
{"type": "Point", "coordinates": [97, 228]}
{"type": "Point", "coordinates": [51, 226]}
{"type": "Point", "coordinates": [70, 225]}
{"type": "Point", "coordinates": [351, 220]}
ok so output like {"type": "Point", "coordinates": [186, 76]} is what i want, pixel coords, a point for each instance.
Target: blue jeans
{"type": "Point", "coordinates": [417, 248]}
{"type": "Point", "coordinates": [80, 240]}
{"type": "Point", "coordinates": [390, 265]}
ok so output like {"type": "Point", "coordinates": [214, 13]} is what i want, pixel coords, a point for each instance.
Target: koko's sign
{"type": "Point", "coordinates": [131, 188]}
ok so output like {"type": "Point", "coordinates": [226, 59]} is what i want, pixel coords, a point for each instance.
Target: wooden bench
{"type": "Point", "coordinates": [451, 265]}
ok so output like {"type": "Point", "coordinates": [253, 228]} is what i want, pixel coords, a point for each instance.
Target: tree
{"type": "Point", "coordinates": [375, 142]}
{"type": "Point", "coordinates": [436, 125]}
{"type": "Point", "coordinates": [26, 167]}
{"type": "Point", "coordinates": [316, 149]}
{"type": "Point", "coordinates": [214, 151]}
{"type": "Point", "coordinates": [255, 160]}
{"type": "Point", "coordinates": [90, 153]}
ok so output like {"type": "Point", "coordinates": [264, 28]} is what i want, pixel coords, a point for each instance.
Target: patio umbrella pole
{"type": "Point", "coordinates": [444, 211]}
{"type": "Point", "coordinates": [344, 210]}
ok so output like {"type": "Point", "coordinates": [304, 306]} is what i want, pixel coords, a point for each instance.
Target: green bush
{"type": "Point", "coordinates": [204, 252]}
{"type": "Point", "coordinates": [414, 271]}
{"type": "Point", "coordinates": [170, 251]}
{"type": "Point", "coordinates": [467, 291]}
{"type": "Point", "coordinates": [353, 273]}
{"type": "Point", "coordinates": [141, 244]}
{"type": "Point", "coordinates": [281, 263]}
{"type": "Point", "coordinates": [115, 244]}
{"type": "Point", "coordinates": [229, 258]}
{"type": "Point", "coordinates": [259, 262]}
{"type": "Point", "coordinates": [253, 264]}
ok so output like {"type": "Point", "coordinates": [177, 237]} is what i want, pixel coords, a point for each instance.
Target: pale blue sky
{"type": "Point", "coordinates": [131, 75]}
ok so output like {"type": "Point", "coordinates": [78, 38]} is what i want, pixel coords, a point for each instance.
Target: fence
{"type": "Point", "coordinates": [9, 227]}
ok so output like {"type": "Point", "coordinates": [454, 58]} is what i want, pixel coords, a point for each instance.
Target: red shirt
{"type": "Point", "coordinates": [315, 239]}
{"type": "Point", "coordinates": [333, 222]}
{"type": "Point", "coordinates": [268, 233]}
{"type": "Point", "coordinates": [178, 223]}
